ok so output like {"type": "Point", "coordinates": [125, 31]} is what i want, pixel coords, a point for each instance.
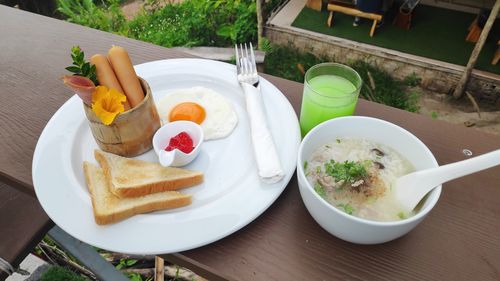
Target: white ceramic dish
{"type": "Point", "coordinates": [231, 196]}
{"type": "Point", "coordinates": [337, 222]}
{"type": "Point", "coordinates": [177, 158]}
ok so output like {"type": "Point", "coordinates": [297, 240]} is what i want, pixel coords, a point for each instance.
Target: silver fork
{"type": "Point", "coordinates": [266, 156]}
{"type": "Point", "coordinates": [246, 68]}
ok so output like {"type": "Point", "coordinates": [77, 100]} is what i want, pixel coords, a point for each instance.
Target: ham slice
{"type": "Point", "coordinates": [82, 86]}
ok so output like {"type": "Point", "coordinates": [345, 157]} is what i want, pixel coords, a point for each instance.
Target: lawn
{"type": "Point", "coordinates": [435, 33]}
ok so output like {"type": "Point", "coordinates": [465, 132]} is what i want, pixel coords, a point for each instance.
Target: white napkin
{"type": "Point", "coordinates": [268, 162]}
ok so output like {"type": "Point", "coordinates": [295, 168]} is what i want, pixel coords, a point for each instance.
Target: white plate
{"type": "Point", "coordinates": [230, 197]}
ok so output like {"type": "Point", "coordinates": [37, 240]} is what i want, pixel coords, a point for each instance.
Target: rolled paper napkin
{"type": "Point", "coordinates": [106, 75]}
{"type": "Point", "coordinates": [122, 66]}
{"type": "Point", "coordinates": [266, 156]}
{"type": "Point", "coordinates": [82, 86]}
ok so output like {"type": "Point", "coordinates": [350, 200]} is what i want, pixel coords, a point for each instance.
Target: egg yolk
{"type": "Point", "coordinates": [188, 111]}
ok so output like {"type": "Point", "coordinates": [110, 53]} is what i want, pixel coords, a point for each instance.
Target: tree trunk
{"type": "Point", "coordinates": [459, 90]}
{"type": "Point", "coordinates": [260, 23]}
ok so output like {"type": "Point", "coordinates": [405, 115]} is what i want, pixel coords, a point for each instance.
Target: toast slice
{"type": "Point", "coordinates": [133, 178]}
{"type": "Point", "coordinates": [110, 209]}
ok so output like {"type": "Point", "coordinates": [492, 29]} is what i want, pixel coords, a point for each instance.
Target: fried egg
{"type": "Point", "coordinates": [212, 111]}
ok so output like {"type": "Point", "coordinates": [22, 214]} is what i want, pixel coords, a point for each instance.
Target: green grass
{"type": "Point", "coordinates": [284, 62]}
{"type": "Point", "coordinates": [58, 273]}
{"type": "Point", "coordinates": [435, 33]}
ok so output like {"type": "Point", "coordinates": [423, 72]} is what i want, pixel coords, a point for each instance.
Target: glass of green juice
{"type": "Point", "coordinates": [330, 90]}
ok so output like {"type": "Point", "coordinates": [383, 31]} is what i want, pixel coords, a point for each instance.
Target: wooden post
{"type": "Point", "coordinates": [159, 269]}
{"type": "Point", "coordinates": [459, 90]}
{"type": "Point", "coordinates": [260, 23]}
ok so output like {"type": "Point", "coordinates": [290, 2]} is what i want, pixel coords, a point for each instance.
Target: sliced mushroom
{"type": "Point", "coordinates": [379, 165]}
{"type": "Point", "coordinates": [378, 152]}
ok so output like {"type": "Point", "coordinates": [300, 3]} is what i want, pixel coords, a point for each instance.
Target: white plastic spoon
{"type": "Point", "coordinates": [411, 188]}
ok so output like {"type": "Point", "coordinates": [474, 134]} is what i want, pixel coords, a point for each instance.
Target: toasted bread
{"type": "Point", "coordinates": [133, 178]}
{"type": "Point", "coordinates": [108, 208]}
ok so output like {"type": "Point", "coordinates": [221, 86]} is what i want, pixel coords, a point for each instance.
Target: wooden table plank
{"type": "Point", "coordinates": [23, 223]}
{"type": "Point", "coordinates": [34, 52]}
{"type": "Point", "coordinates": [457, 241]}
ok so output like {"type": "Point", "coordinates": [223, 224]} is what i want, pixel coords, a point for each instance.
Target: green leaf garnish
{"type": "Point", "coordinates": [80, 67]}
{"type": "Point", "coordinates": [338, 140]}
{"type": "Point", "coordinates": [402, 215]}
{"type": "Point", "coordinates": [131, 262]}
{"type": "Point", "coordinates": [74, 69]}
{"type": "Point", "coordinates": [305, 165]}
{"type": "Point", "coordinates": [349, 171]}
{"type": "Point", "coordinates": [347, 208]}
{"type": "Point", "coordinates": [318, 169]}
{"type": "Point", "coordinates": [320, 190]}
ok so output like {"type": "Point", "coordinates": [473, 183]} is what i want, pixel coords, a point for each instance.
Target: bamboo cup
{"type": "Point", "coordinates": [132, 131]}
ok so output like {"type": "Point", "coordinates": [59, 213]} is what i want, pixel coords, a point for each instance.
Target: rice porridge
{"type": "Point", "coordinates": [355, 176]}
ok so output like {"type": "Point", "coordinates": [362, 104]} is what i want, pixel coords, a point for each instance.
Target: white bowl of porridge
{"type": "Point", "coordinates": [345, 169]}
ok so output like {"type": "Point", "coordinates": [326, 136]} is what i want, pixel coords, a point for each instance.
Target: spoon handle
{"type": "Point", "coordinates": [459, 169]}
{"type": "Point", "coordinates": [410, 189]}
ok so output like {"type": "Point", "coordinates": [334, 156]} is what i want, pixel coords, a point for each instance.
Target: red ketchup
{"type": "Point", "coordinates": [182, 142]}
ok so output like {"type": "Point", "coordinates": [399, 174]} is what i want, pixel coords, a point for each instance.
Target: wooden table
{"type": "Point", "coordinates": [459, 240]}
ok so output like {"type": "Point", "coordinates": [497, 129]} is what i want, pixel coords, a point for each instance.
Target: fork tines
{"type": "Point", "coordinates": [245, 61]}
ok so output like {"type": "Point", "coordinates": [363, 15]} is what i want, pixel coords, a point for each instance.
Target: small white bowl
{"type": "Point", "coordinates": [177, 158]}
{"type": "Point", "coordinates": [337, 222]}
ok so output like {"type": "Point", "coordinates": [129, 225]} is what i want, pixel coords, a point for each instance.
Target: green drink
{"type": "Point", "coordinates": [330, 90]}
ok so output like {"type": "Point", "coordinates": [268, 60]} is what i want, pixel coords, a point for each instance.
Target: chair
{"type": "Point", "coordinates": [496, 57]}
{"type": "Point", "coordinates": [404, 17]}
{"type": "Point", "coordinates": [476, 27]}
{"type": "Point", "coordinates": [314, 4]}
{"type": "Point", "coordinates": [23, 224]}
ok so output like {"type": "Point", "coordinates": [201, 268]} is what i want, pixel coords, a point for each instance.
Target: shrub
{"type": "Point", "coordinates": [270, 5]}
{"type": "Point", "coordinates": [58, 273]}
{"type": "Point", "coordinates": [189, 23]}
{"type": "Point", "coordinates": [197, 22]}
{"type": "Point", "coordinates": [289, 63]}
{"type": "Point", "coordinates": [106, 16]}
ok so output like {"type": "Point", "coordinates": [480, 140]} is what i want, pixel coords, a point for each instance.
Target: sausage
{"type": "Point", "coordinates": [106, 75]}
{"type": "Point", "coordinates": [122, 66]}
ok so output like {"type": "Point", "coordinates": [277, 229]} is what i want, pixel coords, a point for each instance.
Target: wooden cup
{"type": "Point", "coordinates": [132, 131]}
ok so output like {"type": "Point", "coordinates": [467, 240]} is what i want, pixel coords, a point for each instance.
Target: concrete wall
{"type": "Point", "coordinates": [436, 76]}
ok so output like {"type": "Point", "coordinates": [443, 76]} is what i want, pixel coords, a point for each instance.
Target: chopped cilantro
{"type": "Point", "coordinates": [367, 163]}
{"type": "Point", "coordinates": [402, 215]}
{"type": "Point", "coordinates": [338, 140]}
{"type": "Point", "coordinates": [347, 208]}
{"type": "Point", "coordinates": [349, 171]}
{"type": "Point", "coordinates": [319, 189]}
{"type": "Point", "coordinates": [327, 146]}
{"type": "Point", "coordinates": [305, 165]}
{"type": "Point", "coordinates": [318, 169]}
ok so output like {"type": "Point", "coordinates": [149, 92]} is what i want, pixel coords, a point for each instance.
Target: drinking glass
{"type": "Point", "coordinates": [330, 90]}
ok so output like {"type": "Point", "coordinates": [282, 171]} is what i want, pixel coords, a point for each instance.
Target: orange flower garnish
{"type": "Point", "coordinates": [107, 104]}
